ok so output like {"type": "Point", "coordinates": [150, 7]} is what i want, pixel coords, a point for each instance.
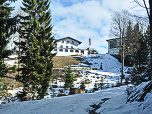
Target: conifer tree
{"type": "Point", "coordinates": [69, 78]}
{"type": "Point", "coordinates": [132, 39]}
{"type": "Point", "coordinates": [128, 38]}
{"type": "Point", "coordinates": [141, 55]}
{"type": "Point", "coordinates": [7, 28]}
{"type": "Point", "coordinates": [36, 30]}
{"type": "Point", "coordinates": [140, 49]}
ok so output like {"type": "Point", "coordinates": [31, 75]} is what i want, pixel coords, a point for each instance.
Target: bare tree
{"type": "Point", "coordinates": [118, 29]}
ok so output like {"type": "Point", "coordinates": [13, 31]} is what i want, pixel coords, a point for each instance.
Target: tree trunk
{"type": "Point", "coordinates": [122, 75]}
{"type": "Point", "coordinates": [150, 18]}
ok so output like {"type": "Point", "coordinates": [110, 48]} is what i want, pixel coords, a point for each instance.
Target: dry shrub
{"type": "Point", "coordinates": [60, 62]}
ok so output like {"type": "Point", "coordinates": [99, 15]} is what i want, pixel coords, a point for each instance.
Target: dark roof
{"type": "Point", "coordinates": [68, 38]}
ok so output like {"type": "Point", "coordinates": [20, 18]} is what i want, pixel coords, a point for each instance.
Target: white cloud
{"type": "Point", "coordinates": [84, 19]}
{"type": "Point", "coordinates": [88, 19]}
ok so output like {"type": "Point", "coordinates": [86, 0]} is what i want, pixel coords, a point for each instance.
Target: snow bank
{"type": "Point", "coordinates": [119, 104]}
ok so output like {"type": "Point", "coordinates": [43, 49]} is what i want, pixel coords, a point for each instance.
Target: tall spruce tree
{"type": "Point", "coordinates": [36, 30]}
{"type": "Point", "coordinates": [141, 55]}
{"type": "Point", "coordinates": [128, 39]}
{"type": "Point", "coordinates": [7, 28]}
{"type": "Point", "coordinates": [132, 39]}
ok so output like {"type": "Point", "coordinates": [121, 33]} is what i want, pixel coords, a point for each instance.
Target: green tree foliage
{"type": "Point", "coordinates": [36, 31]}
{"type": "Point", "coordinates": [141, 55]}
{"type": "Point", "coordinates": [131, 40]}
{"type": "Point", "coordinates": [14, 68]}
{"type": "Point", "coordinates": [7, 28]}
{"type": "Point", "coordinates": [69, 78]}
{"type": "Point", "coordinates": [136, 48]}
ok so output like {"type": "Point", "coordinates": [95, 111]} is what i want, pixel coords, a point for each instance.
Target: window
{"type": "Point", "coordinates": [67, 42]}
{"type": "Point", "coordinates": [71, 50]}
{"type": "Point", "coordinates": [113, 44]}
{"type": "Point", "coordinates": [71, 47]}
{"type": "Point", "coordinates": [72, 42]}
{"type": "Point", "coordinates": [55, 49]}
{"type": "Point", "coordinates": [66, 46]}
{"type": "Point", "coordinates": [61, 50]}
{"type": "Point", "coordinates": [66, 50]}
{"type": "Point", "coordinates": [61, 46]}
{"type": "Point", "coordinates": [77, 51]}
{"type": "Point", "coordinates": [82, 51]}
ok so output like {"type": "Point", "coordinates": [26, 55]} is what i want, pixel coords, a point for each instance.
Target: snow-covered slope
{"type": "Point", "coordinates": [119, 104]}
{"type": "Point", "coordinates": [84, 103]}
{"type": "Point", "coordinates": [81, 103]}
{"type": "Point", "coordinates": [109, 63]}
{"type": "Point", "coordinates": [73, 104]}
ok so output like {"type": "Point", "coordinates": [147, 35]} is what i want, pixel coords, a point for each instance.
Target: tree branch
{"type": "Point", "coordinates": [146, 8]}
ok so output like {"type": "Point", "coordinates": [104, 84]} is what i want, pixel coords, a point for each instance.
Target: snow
{"type": "Point", "coordinates": [12, 56]}
{"type": "Point", "coordinates": [81, 103]}
{"type": "Point", "coordinates": [119, 105]}
{"type": "Point", "coordinates": [72, 104]}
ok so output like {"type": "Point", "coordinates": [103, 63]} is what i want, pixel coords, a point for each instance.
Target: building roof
{"type": "Point", "coordinates": [68, 38]}
{"type": "Point", "coordinates": [112, 39]}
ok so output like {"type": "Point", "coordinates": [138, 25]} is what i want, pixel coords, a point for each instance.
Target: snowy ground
{"type": "Point", "coordinates": [73, 104]}
{"type": "Point", "coordinates": [89, 70]}
{"type": "Point", "coordinates": [83, 103]}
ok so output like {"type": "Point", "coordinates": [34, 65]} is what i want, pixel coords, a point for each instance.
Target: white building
{"type": "Point", "coordinates": [113, 45]}
{"type": "Point", "coordinates": [68, 46]}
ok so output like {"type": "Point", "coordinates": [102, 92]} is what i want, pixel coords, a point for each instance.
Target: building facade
{"type": "Point", "coordinates": [113, 46]}
{"type": "Point", "coordinates": [68, 46]}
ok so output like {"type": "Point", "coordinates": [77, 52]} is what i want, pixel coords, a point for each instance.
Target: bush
{"type": "Point", "coordinates": [78, 75]}
{"type": "Point", "coordinates": [127, 80]}
{"type": "Point", "coordinates": [138, 79]}
{"type": "Point", "coordinates": [14, 69]}
{"type": "Point", "coordinates": [118, 82]}
{"type": "Point", "coordinates": [95, 87]}
{"type": "Point", "coordinates": [82, 86]}
{"type": "Point", "coordinates": [69, 78]}
{"type": "Point", "coordinates": [101, 85]}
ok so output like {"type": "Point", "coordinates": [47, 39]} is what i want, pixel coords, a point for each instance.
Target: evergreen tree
{"type": "Point", "coordinates": [7, 28]}
{"type": "Point", "coordinates": [69, 78]}
{"type": "Point", "coordinates": [128, 38]}
{"type": "Point", "coordinates": [36, 31]}
{"type": "Point", "coordinates": [132, 39]}
{"type": "Point", "coordinates": [142, 54]}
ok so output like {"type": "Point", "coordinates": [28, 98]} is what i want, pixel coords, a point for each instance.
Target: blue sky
{"type": "Point", "coordinates": [84, 19]}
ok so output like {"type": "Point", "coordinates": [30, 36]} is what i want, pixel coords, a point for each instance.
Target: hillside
{"type": "Point", "coordinates": [107, 100]}
{"type": "Point", "coordinates": [88, 71]}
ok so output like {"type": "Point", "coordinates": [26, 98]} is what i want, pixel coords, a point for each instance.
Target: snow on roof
{"type": "Point", "coordinates": [113, 39]}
